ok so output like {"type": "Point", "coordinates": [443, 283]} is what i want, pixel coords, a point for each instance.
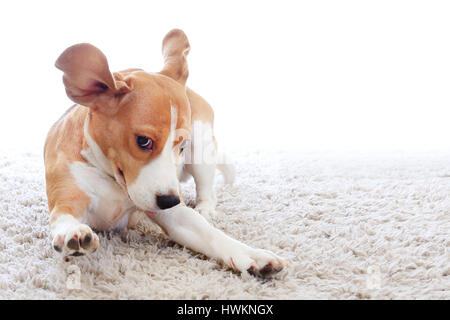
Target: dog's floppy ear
{"type": "Point", "coordinates": [88, 80]}
{"type": "Point", "coordinates": [175, 48]}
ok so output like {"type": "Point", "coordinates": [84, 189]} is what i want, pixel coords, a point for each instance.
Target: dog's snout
{"type": "Point", "coordinates": [166, 202]}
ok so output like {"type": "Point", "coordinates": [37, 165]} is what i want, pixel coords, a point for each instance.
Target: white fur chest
{"type": "Point", "coordinates": [109, 204]}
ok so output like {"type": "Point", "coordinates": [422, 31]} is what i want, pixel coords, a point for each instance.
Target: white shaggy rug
{"type": "Point", "coordinates": [354, 226]}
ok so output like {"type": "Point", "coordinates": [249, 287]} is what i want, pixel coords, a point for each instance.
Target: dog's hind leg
{"type": "Point", "coordinates": [200, 162]}
{"type": "Point", "coordinates": [204, 175]}
{"type": "Point", "coordinates": [226, 167]}
{"type": "Point", "coordinates": [206, 199]}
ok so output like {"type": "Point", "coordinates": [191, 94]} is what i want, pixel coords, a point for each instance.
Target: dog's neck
{"type": "Point", "coordinates": [93, 154]}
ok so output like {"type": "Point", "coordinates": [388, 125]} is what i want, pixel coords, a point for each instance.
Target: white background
{"type": "Point", "coordinates": [321, 75]}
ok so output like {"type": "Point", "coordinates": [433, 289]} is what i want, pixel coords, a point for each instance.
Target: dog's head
{"type": "Point", "coordinates": [138, 120]}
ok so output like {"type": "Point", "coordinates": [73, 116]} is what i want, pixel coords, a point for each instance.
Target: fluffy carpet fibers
{"type": "Point", "coordinates": [353, 226]}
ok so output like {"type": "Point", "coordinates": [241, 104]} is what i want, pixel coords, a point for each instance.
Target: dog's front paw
{"type": "Point", "coordinates": [75, 240]}
{"type": "Point", "coordinates": [257, 262]}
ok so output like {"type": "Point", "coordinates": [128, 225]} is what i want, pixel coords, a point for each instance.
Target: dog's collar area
{"type": "Point", "coordinates": [120, 179]}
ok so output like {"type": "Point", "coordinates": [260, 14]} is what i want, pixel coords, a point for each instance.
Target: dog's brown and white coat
{"type": "Point", "coordinates": [120, 149]}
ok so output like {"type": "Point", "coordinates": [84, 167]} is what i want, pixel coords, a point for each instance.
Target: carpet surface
{"type": "Point", "coordinates": [353, 226]}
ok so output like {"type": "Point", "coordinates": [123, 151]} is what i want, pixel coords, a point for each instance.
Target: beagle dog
{"type": "Point", "coordinates": [125, 145]}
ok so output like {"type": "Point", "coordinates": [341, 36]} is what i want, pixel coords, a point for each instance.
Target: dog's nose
{"type": "Point", "coordinates": [166, 202]}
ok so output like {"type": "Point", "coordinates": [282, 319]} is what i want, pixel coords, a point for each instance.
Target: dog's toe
{"type": "Point", "coordinates": [86, 241]}
{"type": "Point", "coordinates": [73, 244]}
{"type": "Point", "coordinates": [58, 243]}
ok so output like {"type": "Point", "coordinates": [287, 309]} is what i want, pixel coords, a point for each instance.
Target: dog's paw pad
{"type": "Point", "coordinates": [86, 241]}
{"type": "Point", "coordinates": [76, 241]}
{"type": "Point", "coordinates": [268, 270]}
{"type": "Point", "coordinates": [258, 263]}
{"type": "Point", "coordinates": [73, 244]}
{"type": "Point", "coordinates": [58, 244]}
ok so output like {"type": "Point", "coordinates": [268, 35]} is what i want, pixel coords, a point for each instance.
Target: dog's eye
{"type": "Point", "coordinates": [144, 143]}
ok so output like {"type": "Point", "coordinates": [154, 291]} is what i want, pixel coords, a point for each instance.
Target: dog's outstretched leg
{"type": "Point", "coordinates": [186, 227]}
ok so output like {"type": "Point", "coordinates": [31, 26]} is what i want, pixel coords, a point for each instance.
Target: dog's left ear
{"type": "Point", "coordinates": [175, 48]}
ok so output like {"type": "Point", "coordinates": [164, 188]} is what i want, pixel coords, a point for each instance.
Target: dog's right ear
{"type": "Point", "coordinates": [88, 80]}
